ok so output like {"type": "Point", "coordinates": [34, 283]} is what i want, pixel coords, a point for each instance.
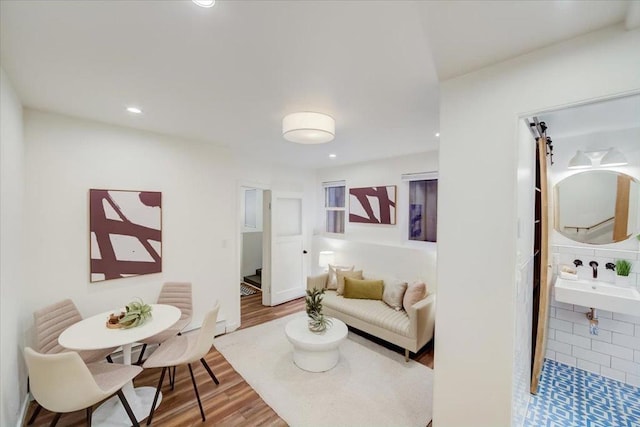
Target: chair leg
{"type": "Point", "coordinates": [155, 398]}
{"type": "Point", "coordinates": [127, 408]}
{"type": "Point", "coordinates": [35, 414]}
{"type": "Point", "coordinates": [55, 420]}
{"type": "Point", "coordinates": [144, 347]}
{"type": "Point", "coordinates": [109, 359]}
{"type": "Point", "coordinates": [89, 415]}
{"type": "Point", "coordinates": [211, 374]}
{"type": "Point", "coordinates": [195, 387]}
{"type": "Point", "coordinates": [172, 378]}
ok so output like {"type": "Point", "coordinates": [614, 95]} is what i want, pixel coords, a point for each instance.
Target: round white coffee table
{"type": "Point", "coordinates": [315, 352]}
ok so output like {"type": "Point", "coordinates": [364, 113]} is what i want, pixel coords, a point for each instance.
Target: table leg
{"type": "Point", "coordinates": [112, 413]}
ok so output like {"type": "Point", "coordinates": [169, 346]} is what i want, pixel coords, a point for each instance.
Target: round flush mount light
{"type": "Point", "coordinates": [308, 128]}
{"type": "Point", "coordinates": [134, 110]}
{"type": "Point", "coordinates": [437, 134]}
{"type": "Point", "coordinates": [332, 156]}
{"type": "Point", "coordinates": [204, 3]}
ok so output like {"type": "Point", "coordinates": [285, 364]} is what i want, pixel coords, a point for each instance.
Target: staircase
{"type": "Point", "coordinates": [255, 280]}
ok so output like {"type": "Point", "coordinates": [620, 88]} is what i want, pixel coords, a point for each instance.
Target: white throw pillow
{"type": "Point", "coordinates": [393, 293]}
{"type": "Point", "coordinates": [332, 281]}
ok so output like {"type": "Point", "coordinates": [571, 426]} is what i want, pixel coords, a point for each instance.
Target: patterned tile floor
{"type": "Point", "coordinates": [571, 397]}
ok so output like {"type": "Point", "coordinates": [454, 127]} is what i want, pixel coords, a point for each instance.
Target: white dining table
{"type": "Point", "coordinates": [92, 334]}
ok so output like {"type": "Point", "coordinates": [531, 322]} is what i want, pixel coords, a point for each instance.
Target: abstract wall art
{"type": "Point", "coordinates": [126, 233]}
{"type": "Point", "coordinates": [373, 205]}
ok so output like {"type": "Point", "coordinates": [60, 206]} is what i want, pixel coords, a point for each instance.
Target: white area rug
{"type": "Point", "coordinates": [370, 386]}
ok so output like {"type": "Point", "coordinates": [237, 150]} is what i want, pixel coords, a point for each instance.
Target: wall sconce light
{"type": "Point", "coordinates": [588, 159]}
{"type": "Point", "coordinates": [308, 128]}
{"type": "Point", "coordinates": [325, 258]}
{"type": "Point", "coordinates": [614, 158]}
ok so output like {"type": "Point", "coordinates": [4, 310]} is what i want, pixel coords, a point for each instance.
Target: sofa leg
{"type": "Point", "coordinates": [406, 355]}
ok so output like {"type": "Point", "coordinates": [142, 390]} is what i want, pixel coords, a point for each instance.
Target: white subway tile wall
{"type": "Point", "coordinates": [615, 351]}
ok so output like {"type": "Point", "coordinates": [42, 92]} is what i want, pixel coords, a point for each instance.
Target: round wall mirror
{"type": "Point", "coordinates": [597, 207]}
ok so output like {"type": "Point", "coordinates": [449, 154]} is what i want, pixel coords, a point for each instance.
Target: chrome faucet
{"type": "Point", "coordinates": [594, 265]}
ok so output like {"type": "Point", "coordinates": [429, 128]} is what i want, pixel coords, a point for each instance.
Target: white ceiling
{"type": "Point", "coordinates": [229, 74]}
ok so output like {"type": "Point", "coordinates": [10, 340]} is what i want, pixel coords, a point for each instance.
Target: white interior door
{"type": "Point", "coordinates": [283, 270]}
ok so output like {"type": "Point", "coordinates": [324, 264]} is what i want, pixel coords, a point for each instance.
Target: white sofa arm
{"type": "Point", "coordinates": [319, 281]}
{"type": "Point", "coordinates": [422, 317]}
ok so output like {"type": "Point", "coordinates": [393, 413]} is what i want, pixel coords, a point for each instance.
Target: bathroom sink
{"type": "Point", "coordinates": [600, 295]}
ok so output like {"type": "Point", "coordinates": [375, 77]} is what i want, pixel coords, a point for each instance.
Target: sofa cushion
{"type": "Point", "coordinates": [393, 293]}
{"type": "Point", "coordinates": [332, 280]}
{"type": "Point", "coordinates": [363, 289]}
{"type": "Point", "coordinates": [342, 274]}
{"type": "Point", "coordinates": [415, 292]}
{"type": "Point", "coordinates": [374, 312]}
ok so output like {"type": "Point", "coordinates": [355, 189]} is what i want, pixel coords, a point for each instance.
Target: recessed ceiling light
{"type": "Point", "coordinates": [332, 156]}
{"type": "Point", "coordinates": [437, 134]}
{"type": "Point", "coordinates": [134, 110]}
{"type": "Point", "coordinates": [204, 3]}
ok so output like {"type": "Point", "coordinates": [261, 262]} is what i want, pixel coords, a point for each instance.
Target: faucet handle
{"type": "Point", "coordinates": [610, 266]}
{"type": "Point", "coordinates": [577, 263]}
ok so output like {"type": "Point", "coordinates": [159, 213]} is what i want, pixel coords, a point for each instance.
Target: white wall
{"type": "Point", "coordinates": [477, 218]}
{"type": "Point", "coordinates": [201, 222]}
{"type": "Point", "coordinates": [251, 253]}
{"type": "Point", "coordinates": [378, 249]}
{"type": "Point", "coordinates": [13, 384]}
{"type": "Point", "coordinates": [370, 174]}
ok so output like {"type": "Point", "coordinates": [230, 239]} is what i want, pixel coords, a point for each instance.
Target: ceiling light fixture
{"type": "Point", "coordinates": [134, 110]}
{"type": "Point", "coordinates": [204, 3]}
{"type": "Point", "coordinates": [308, 128]}
{"type": "Point", "coordinates": [614, 158]}
{"type": "Point", "coordinates": [332, 156]}
{"type": "Point", "coordinates": [437, 134]}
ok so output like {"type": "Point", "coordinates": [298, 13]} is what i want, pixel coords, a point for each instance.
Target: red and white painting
{"type": "Point", "coordinates": [126, 233]}
{"type": "Point", "coordinates": [373, 205]}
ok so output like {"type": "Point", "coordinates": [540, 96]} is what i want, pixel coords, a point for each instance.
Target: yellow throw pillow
{"type": "Point", "coordinates": [363, 289]}
{"type": "Point", "coordinates": [351, 274]}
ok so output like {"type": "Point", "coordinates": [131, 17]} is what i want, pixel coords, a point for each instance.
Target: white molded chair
{"type": "Point", "coordinates": [63, 383]}
{"type": "Point", "coordinates": [185, 350]}
{"type": "Point", "coordinates": [177, 294]}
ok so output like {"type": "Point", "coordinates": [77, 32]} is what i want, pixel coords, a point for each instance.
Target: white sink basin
{"type": "Point", "coordinates": [601, 295]}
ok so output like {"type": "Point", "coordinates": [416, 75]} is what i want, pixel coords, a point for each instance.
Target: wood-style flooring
{"type": "Point", "coordinates": [233, 402]}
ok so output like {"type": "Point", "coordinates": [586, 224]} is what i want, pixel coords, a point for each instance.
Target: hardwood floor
{"type": "Point", "coordinates": [233, 402]}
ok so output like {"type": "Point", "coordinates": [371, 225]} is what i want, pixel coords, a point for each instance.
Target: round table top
{"type": "Point", "coordinates": [92, 333]}
{"type": "Point", "coordinates": [298, 329]}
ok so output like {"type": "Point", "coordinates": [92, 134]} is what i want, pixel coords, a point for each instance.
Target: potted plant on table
{"type": "Point", "coordinates": [623, 268]}
{"type": "Point", "coordinates": [317, 321]}
{"type": "Point", "coordinates": [135, 314]}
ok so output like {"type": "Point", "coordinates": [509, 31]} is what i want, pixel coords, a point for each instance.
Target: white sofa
{"type": "Point", "coordinates": [410, 329]}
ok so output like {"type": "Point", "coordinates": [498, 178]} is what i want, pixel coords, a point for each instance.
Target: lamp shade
{"type": "Point", "coordinates": [308, 128]}
{"type": "Point", "coordinates": [580, 161]}
{"type": "Point", "coordinates": [614, 158]}
{"type": "Point", "coordinates": [325, 258]}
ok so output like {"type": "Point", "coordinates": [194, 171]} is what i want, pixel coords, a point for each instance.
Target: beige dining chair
{"type": "Point", "coordinates": [177, 294]}
{"type": "Point", "coordinates": [49, 322]}
{"type": "Point", "coordinates": [63, 383]}
{"type": "Point", "coordinates": [185, 350]}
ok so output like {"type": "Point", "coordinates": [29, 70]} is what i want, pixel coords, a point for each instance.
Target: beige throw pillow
{"type": "Point", "coordinates": [393, 294]}
{"type": "Point", "coordinates": [350, 274]}
{"type": "Point", "coordinates": [415, 292]}
{"type": "Point", "coordinates": [332, 281]}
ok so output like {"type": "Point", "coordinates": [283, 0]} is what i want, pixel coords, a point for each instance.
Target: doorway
{"type": "Point", "coordinates": [251, 240]}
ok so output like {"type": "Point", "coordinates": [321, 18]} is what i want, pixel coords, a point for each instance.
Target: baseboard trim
{"type": "Point", "coordinates": [22, 418]}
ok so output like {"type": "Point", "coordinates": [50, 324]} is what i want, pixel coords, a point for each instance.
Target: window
{"type": "Point", "coordinates": [334, 205]}
{"type": "Point", "coordinates": [423, 206]}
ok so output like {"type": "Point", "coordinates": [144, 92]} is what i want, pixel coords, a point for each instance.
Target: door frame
{"type": "Point", "coordinates": [241, 185]}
